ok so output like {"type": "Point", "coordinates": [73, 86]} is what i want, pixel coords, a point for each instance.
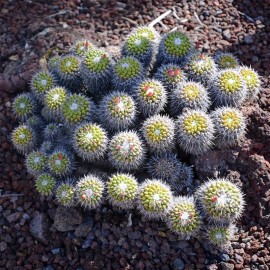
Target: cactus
{"type": "Point", "coordinates": [195, 132]}
{"type": "Point", "coordinates": [252, 81]}
{"type": "Point", "coordinates": [117, 111]}
{"type": "Point", "coordinates": [24, 138]}
{"type": "Point", "coordinates": [47, 147]}
{"type": "Point", "coordinates": [151, 97]}
{"type": "Point", "coordinates": [60, 163]}
{"type": "Point", "coordinates": [189, 95]}
{"type": "Point", "coordinates": [175, 47]}
{"type": "Point", "coordinates": [170, 75]}
{"type": "Point", "coordinates": [54, 100]}
{"type": "Point", "coordinates": [229, 126]}
{"type": "Point", "coordinates": [220, 234]}
{"type": "Point", "coordinates": [24, 106]}
{"type": "Point", "coordinates": [82, 47]}
{"type": "Point", "coordinates": [42, 82]}
{"type": "Point", "coordinates": [36, 162]}
{"type": "Point", "coordinates": [53, 63]}
{"type": "Point", "coordinates": [220, 200]}
{"type": "Point", "coordinates": [183, 217]}
{"type": "Point", "coordinates": [147, 32]}
{"type": "Point", "coordinates": [126, 151]}
{"type": "Point", "coordinates": [89, 191]}
{"type": "Point", "coordinates": [168, 168]}
{"type": "Point", "coordinates": [96, 71]}
{"type": "Point", "coordinates": [52, 131]}
{"type": "Point", "coordinates": [78, 108]}
{"type": "Point", "coordinates": [228, 88]}
{"type": "Point", "coordinates": [201, 68]}
{"type": "Point", "coordinates": [45, 184]}
{"type": "Point", "coordinates": [68, 72]}
{"type": "Point", "coordinates": [154, 199]}
{"type": "Point", "coordinates": [90, 141]}
{"type": "Point", "coordinates": [127, 73]}
{"type": "Point", "coordinates": [158, 131]}
{"type": "Point", "coordinates": [122, 190]}
{"type": "Point", "coordinates": [35, 122]}
{"type": "Point", "coordinates": [65, 193]}
{"type": "Point", "coordinates": [226, 60]}
{"type": "Point", "coordinates": [140, 48]}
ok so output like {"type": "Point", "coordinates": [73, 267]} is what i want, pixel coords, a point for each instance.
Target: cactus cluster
{"type": "Point", "coordinates": [139, 111]}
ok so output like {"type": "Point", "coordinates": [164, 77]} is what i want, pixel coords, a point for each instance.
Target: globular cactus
{"type": "Point", "coordinates": [175, 47]}
{"type": "Point", "coordinates": [77, 108]}
{"type": "Point", "coordinates": [147, 32]}
{"type": "Point", "coordinates": [117, 111]}
{"type": "Point", "coordinates": [190, 95]}
{"type": "Point", "coordinates": [201, 68]}
{"type": "Point", "coordinates": [82, 47]}
{"type": "Point", "coordinates": [220, 200]}
{"type": "Point", "coordinates": [24, 138]}
{"type": "Point", "coordinates": [54, 100]}
{"type": "Point", "coordinates": [122, 190]}
{"type": "Point", "coordinates": [229, 126]}
{"type": "Point", "coordinates": [24, 106]}
{"type": "Point", "coordinates": [252, 81]}
{"type": "Point", "coordinates": [151, 97]}
{"type": "Point", "coordinates": [42, 82]}
{"type": "Point", "coordinates": [36, 162]}
{"type": "Point", "coordinates": [60, 162]}
{"type": "Point", "coordinates": [195, 132]}
{"type": "Point", "coordinates": [115, 53]}
{"type": "Point", "coordinates": [219, 234]}
{"type": "Point", "coordinates": [45, 184]}
{"type": "Point", "coordinates": [68, 72]}
{"type": "Point", "coordinates": [126, 151]}
{"type": "Point", "coordinates": [89, 191]}
{"type": "Point", "coordinates": [90, 141]}
{"type": "Point", "coordinates": [170, 75]}
{"type": "Point", "coordinates": [226, 60]}
{"type": "Point", "coordinates": [154, 199]}
{"type": "Point", "coordinates": [158, 132]}
{"type": "Point", "coordinates": [127, 73]}
{"type": "Point", "coordinates": [140, 48]}
{"type": "Point", "coordinates": [167, 167]}
{"type": "Point", "coordinates": [65, 193]}
{"type": "Point", "coordinates": [53, 62]}
{"type": "Point", "coordinates": [183, 217]}
{"type": "Point", "coordinates": [96, 71]}
{"type": "Point", "coordinates": [228, 88]}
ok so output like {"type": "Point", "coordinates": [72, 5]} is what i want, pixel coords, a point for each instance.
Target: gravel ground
{"type": "Point", "coordinates": [37, 234]}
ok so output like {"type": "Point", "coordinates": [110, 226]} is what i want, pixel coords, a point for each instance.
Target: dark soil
{"type": "Point", "coordinates": [37, 234]}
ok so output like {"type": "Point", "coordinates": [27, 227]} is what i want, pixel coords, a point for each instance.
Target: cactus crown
{"type": "Point", "coordinates": [150, 91]}
{"type": "Point", "coordinates": [230, 119]}
{"type": "Point", "coordinates": [191, 91]}
{"type": "Point", "coordinates": [36, 161]}
{"type": "Point", "coordinates": [22, 135]}
{"type": "Point", "coordinates": [55, 98]}
{"type": "Point", "coordinates": [69, 64]}
{"type": "Point", "coordinates": [90, 137]}
{"type": "Point", "coordinates": [45, 184]}
{"type": "Point", "coordinates": [89, 191]}
{"type": "Point", "coordinates": [195, 123]}
{"type": "Point", "coordinates": [127, 67]}
{"type": "Point", "coordinates": [65, 194]}
{"type": "Point", "coordinates": [137, 44]}
{"type": "Point", "coordinates": [82, 47]}
{"type": "Point", "coordinates": [76, 108]}
{"type": "Point", "coordinates": [172, 74]}
{"type": "Point", "coordinates": [251, 78]}
{"type": "Point", "coordinates": [146, 32]}
{"type": "Point", "coordinates": [59, 162]}
{"type": "Point", "coordinates": [226, 60]}
{"type": "Point", "coordinates": [201, 65]}
{"type": "Point", "coordinates": [97, 60]}
{"type": "Point", "coordinates": [122, 187]}
{"type": "Point", "coordinates": [121, 106]}
{"type": "Point", "coordinates": [183, 216]}
{"type": "Point", "coordinates": [230, 81]}
{"type": "Point", "coordinates": [23, 105]}
{"type": "Point", "coordinates": [42, 82]}
{"type": "Point", "coordinates": [177, 44]}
